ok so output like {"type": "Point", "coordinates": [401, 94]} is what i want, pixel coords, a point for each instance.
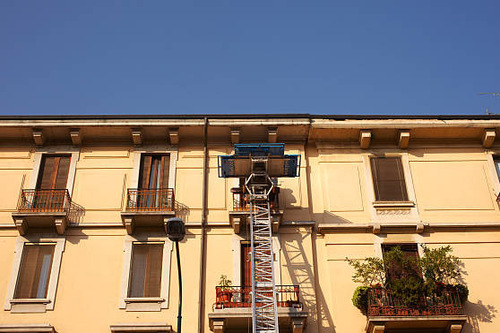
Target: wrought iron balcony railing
{"type": "Point", "coordinates": [44, 201]}
{"type": "Point", "coordinates": [241, 296]}
{"type": "Point", "coordinates": [150, 200]}
{"type": "Point", "coordinates": [241, 201]}
{"type": "Point", "coordinates": [382, 302]}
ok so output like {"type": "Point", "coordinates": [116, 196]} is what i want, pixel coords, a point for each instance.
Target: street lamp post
{"type": "Point", "coordinates": [176, 233]}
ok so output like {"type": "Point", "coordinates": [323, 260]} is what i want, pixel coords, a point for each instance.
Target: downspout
{"type": "Point", "coordinates": [203, 250]}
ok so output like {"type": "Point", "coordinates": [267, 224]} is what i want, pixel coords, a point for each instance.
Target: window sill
{"type": "Point", "coordinates": [144, 304]}
{"type": "Point", "coordinates": [29, 305]}
{"type": "Point", "coordinates": [393, 204]}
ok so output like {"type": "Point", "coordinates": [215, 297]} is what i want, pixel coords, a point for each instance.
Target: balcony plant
{"type": "Point", "coordinates": [408, 279]}
{"type": "Point", "coordinates": [226, 293]}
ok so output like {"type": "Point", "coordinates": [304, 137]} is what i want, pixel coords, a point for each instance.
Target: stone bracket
{"type": "Point", "coordinates": [365, 137]}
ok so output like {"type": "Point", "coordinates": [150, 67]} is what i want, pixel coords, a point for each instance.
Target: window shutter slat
{"type": "Point", "coordinates": [388, 179]}
{"type": "Point", "coordinates": [145, 172]}
{"type": "Point", "coordinates": [145, 274]}
{"type": "Point", "coordinates": [34, 273]}
{"type": "Point", "coordinates": [165, 167]}
{"type": "Point", "coordinates": [45, 174]}
{"type": "Point", "coordinates": [62, 173]}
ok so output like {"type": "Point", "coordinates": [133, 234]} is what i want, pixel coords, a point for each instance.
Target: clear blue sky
{"type": "Point", "coordinates": [185, 57]}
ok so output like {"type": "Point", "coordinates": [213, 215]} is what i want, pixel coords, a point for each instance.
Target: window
{"type": "Point", "coordinates": [53, 173]}
{"type": "Point", "coordinates": [399, 270]}
{"type": "Point", "coordinates": [388, 179]}
{"type": "Point", "coordinates": [154, 171]}
{"type": "Point", "coordinates": [145, 279]}
{"type": "Point", "coordinates": [146, 271]}
{"type": "Point", "coordinates": [35, 274]}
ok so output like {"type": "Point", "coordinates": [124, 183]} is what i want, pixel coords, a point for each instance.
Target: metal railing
{"type": "Point", "coordinates": [241, 202]}
{"type": "Point", "coordinates": [241, 296]}
{"type": "Point", "coordinates": [150, 200]}
{"type": "Point", "coordinates": [44, 201]}
{"type": "Point", "coordinates": [381, 302]}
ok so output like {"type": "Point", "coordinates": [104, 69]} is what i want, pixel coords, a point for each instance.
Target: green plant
{"type": "Point", "coordinates": [369, 271]}
{"type": "Point", "coordinates": [409, 279]}
{"type": "Point", "coordinates": [224, 281]}
{"type": "Point", "coordinates": [360, 298]}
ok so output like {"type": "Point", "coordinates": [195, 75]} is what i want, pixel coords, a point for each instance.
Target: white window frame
{"type": "Point", "coordinates": [29, 305]}
{"type": "Point", "coordinates": [37, 162]}
{"type": "Point", "coordinates": [146, 304]}
{"type": "Point", "coordinates": [154, 150]}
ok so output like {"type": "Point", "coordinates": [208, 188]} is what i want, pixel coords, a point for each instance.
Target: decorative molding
{"type": "Point", "coordinates": [272, 134]}
{"type": "Point", "coordinates": [404, 139]}
{"type": "Point", "coordinates": [76, 137]}
{"type": "Point", "coordinates": [141, 327]}
{"type": "Point", "coordinates": [365, 137]}
{"type": "Point", "coordinates": [38, 137]}
{"type": "Point", "coordinates": [173, 133]}
{"type": "Point", "coordinates": [235, 135]}
{"type": "Point", "coordinates": [27, 328]}
{"type": "Point", "coordinates": [489, 137]}
{"type": "Point", "coordinates": [137, 136]}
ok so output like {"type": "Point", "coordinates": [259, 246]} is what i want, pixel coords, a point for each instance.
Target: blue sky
{"type": "Point", "coordinates": [191, 57]}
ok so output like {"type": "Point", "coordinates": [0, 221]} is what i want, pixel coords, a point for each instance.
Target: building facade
{"type": "Point", "coordinates": [85, 199]}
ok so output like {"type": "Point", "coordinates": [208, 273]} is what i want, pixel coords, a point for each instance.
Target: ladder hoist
{"type": "Point", "coordinates": [260, 164]}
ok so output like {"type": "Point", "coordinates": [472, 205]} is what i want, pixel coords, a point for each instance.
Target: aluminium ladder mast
{"type": "Point", "coordinates": [258, 163]}
{"type": "Point", "coordinates": [264, 305]}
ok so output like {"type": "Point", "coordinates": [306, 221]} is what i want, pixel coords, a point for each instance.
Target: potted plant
{"type": "Point", "coordinates": [417, 283]}
{"type": "Point", "coordinates": [225, 291]}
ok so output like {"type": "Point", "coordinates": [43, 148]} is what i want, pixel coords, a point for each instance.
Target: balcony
{"type": "Point", "coordinates": [148, 208]}
{"type": "Point", "coordinates": [233, 309]}
{"type": "Point", "coordinates": [239, 215]}
{"type": "Point", "coordinates": [440, 312]}
{"type": "Point", "coordinates": [42, 208]}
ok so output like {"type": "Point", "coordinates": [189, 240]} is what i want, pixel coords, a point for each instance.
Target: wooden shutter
{"type": "Point", "coordinates": [154, 171]}
{"type": "Point", "coordinates": [388, 179]}
{"type": "Point", "coordinates": [54, 171]}
{"type": "Point", "coordinates": [145, 277]}
{"type": "Point", "coordinates": [34, 272]}
{"type": "Point", "coordinates": [246, 264]}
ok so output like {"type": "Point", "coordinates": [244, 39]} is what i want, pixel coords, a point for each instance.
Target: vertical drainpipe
{"type": "Point", "coordinates": [203, 251]}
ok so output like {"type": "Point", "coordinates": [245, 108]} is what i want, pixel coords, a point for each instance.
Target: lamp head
{"type": "Point", "coordinates": [175, 229]}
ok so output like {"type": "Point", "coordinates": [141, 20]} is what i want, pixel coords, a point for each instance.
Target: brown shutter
{"type": "Point", "coordinates": [62, 173]}
{"type": "Point", "coordinates": [145, 172]}
{"type": "Point", "coordinates": [246, 264]}
{"type": "Point", "coordinates": [165, 168]}
{"type": "Point", "coordinates": [145, 277]}
{"type": "Point", "coordinates": [53, 172]}
{"type": "Point", "coordinates": [34, 272]}
{"type": "Point", "coordinates": [46, 171]}
{"type": "Point", "coordinates": [388, 179]}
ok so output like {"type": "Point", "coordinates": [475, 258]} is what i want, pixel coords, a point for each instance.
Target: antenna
{"type": "Point", "coordinates": [494, 94]}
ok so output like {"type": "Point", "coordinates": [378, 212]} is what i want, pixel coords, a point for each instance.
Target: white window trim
{"type": "Point", "coordinates": [27, 328]}
{"type": "Point", "coordinates": [154, 150]}
{"type": "Point", "coordinates": [165, 272]}
{"type": "Point", "coordinates": [35, 304]}
{"type": "Point", "coordinates": [75, 156]}
{"type": "Point", "coordinates": [374, 205]}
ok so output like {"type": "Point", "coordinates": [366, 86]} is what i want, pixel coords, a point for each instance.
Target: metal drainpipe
{"type": "Point", "coordinates": [203, 251]}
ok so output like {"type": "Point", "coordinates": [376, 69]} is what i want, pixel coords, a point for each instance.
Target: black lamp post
{"type": "Point", "coordinates": [176, 233]}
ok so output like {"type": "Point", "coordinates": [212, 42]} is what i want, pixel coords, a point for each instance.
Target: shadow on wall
{"type": "Point", "coordinates": [182, 211]}
{"type": "Point", "coordinates": [301, 273]}
{"type": "Point", "coordinates": [478, 313]}
{"type": "Point", "coordinates": [76, 213]}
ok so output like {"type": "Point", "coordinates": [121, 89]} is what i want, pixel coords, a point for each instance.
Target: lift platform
{"type": "Point", "coordinates": [260, 165]}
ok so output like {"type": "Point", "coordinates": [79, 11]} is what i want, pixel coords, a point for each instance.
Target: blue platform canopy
{"type": "Point", "coordinates": [278, 164]}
